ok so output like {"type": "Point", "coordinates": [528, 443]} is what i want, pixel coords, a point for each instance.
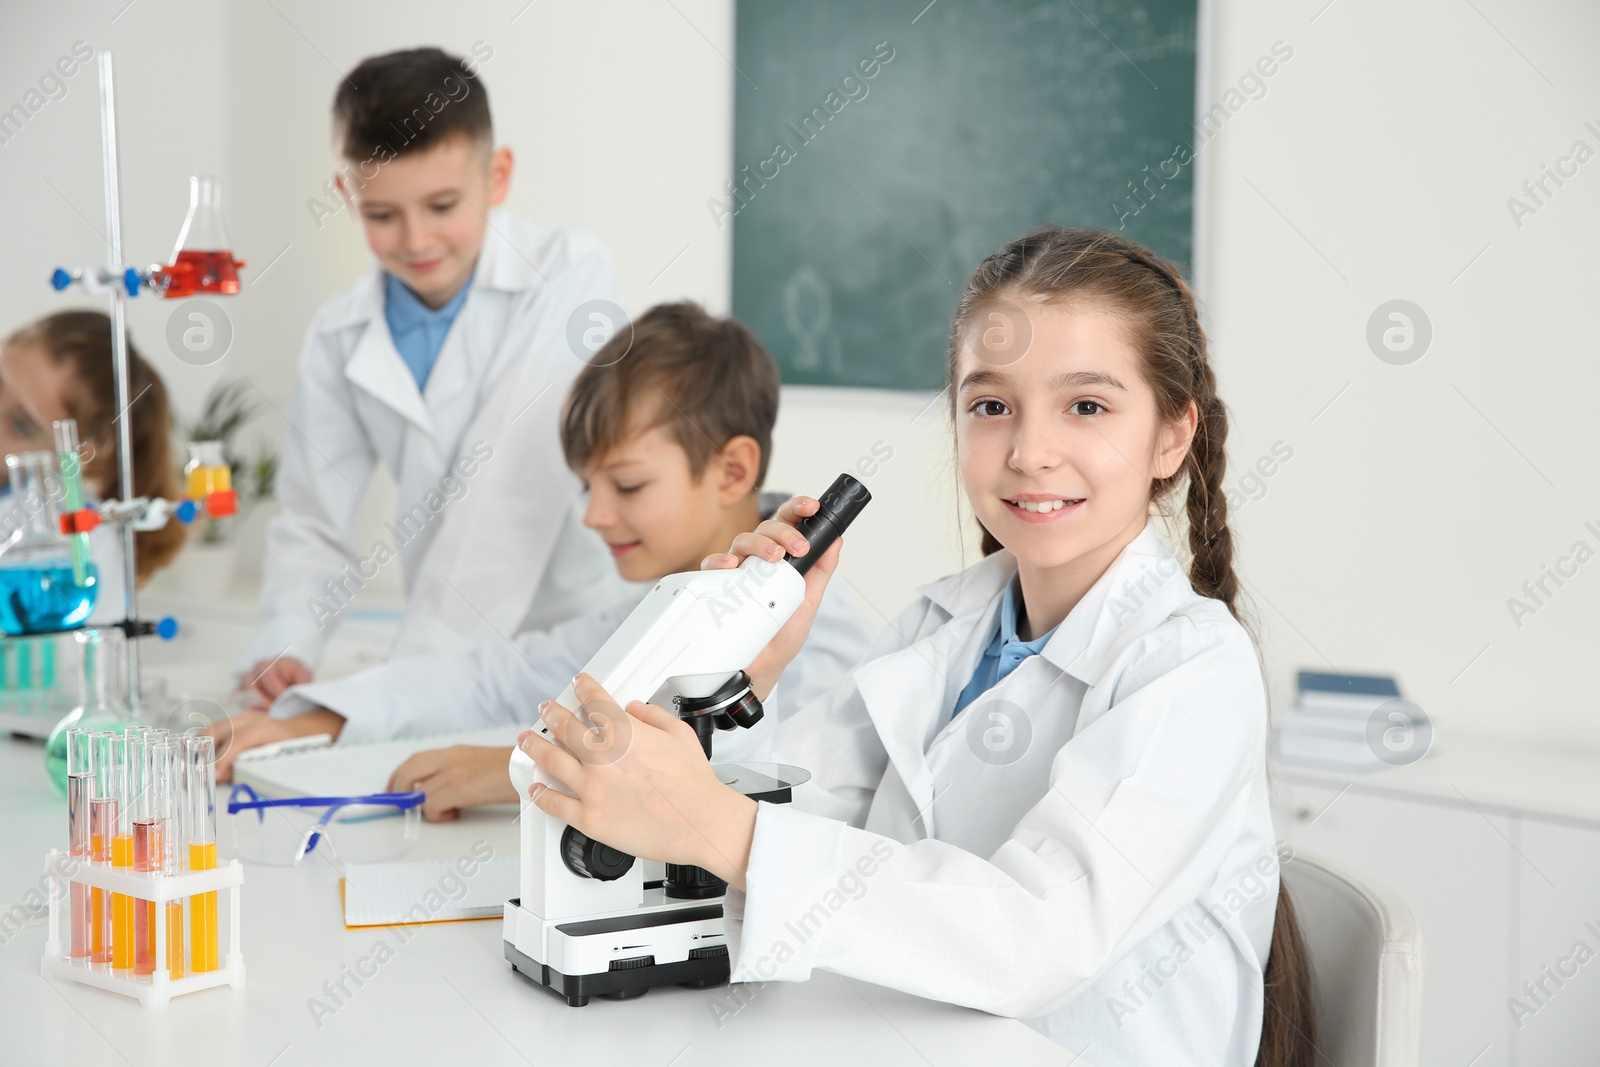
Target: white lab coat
{"type": "Point", "coordinates": [498, 543]}
{"type": "Point", "coordinates": [504, 680]}
{"type": "Point", "coordinates": [1088, 846]}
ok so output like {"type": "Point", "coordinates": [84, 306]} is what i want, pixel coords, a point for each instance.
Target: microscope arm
{"type": "Point", "coordinates": [695, 631]}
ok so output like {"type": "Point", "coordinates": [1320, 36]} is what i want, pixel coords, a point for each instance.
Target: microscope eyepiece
{"type": "Point", "coordinates": [840, 505]}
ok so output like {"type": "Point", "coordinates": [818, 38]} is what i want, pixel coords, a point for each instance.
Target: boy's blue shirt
{"type": "Point", "coordinates": [418, 330]}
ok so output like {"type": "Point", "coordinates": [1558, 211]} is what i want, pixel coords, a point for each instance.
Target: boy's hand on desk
{"type": "Point", "coordinates": [461, 776]}
{"type": "Point", "coordinates": [256, 728]}
{"type": "Point", "coordinates": [271, 677]}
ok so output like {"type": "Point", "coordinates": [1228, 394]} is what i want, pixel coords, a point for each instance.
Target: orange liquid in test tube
{"type": "Point", "coordinates": [203, 908]}
{"type": "Point", "coordinates": [97, 929]}
{"type": "Point", "coordinates": [122, 907]}
{"type": "Point", "coordinates": [175, 938]}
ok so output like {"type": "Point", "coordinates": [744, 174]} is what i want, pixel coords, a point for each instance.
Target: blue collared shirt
{"type": "Point", "coordinates": [418, 330]}
{"type": "Point", "coordinates": [1006, 650]}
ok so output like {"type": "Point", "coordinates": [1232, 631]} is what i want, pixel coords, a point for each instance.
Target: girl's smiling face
{"type": "Point", "coordinates": [1059, 443]}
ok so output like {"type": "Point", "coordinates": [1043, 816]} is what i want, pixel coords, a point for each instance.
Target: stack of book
{"type": "Point", "coordinates": [1332, 722]}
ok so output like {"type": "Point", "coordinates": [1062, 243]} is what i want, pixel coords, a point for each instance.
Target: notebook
{"type": "Point", "coordinates": [1351, 695]}
{"type": "Point", "coordinates": [428, 891]}
{"type": "Point", "coordinates": [347, 770]}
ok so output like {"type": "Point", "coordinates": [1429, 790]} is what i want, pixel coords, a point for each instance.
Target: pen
{"type": "Point", "coordinates": [279, 748]}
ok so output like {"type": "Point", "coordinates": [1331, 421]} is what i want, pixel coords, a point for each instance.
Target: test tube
{"type": "Point", "coordinates": [102, 825]}
{"type": "Point", "coordinates": [80, 790]}
{"type": "Point", "coordinates": [174, 839]}
{"type": "Point", "coordinates": [70, 461]}
{"type": "Point", "coordinates": [149, 804]}
{"type": "Point", "coordinates": [201, 759]}
{"type": "Point", "coordinates": [124, 789]}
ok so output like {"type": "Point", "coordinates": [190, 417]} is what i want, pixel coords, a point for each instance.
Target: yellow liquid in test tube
{"type": "Point", "coordinates": [122, 907]}
{"type": "Point", "coordinates": [175, 938]}
{"type": "Point", "coordinates": [203, 912]}
{"type": "Point", "coordinates": [203, 481]}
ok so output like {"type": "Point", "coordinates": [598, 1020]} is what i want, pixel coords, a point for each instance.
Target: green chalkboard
{"type": "Point", "coordinates": [882, 149]}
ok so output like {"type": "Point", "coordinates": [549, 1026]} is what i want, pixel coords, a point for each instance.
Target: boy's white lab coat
{"type": "Point", "coordinates": [487, 531]}
{"type": "Point", "coordinates": [503, 681]}
{"type": "Point", "coordinates": [1088, 846]}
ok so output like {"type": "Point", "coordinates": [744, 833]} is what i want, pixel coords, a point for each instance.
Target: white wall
{"type": "Point", "coordinates": [1376, 166]}
{"type": "Point", "coordinates": [176, 97]}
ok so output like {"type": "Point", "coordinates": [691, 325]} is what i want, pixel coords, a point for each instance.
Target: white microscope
{"type": "Point", "coordinates": [587, 922]}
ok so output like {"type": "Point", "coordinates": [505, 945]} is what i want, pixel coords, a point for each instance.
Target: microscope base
{"type": "Point", "coordinates": [620, 956]}
{"type": "Point", "coordinates": [576, 989]}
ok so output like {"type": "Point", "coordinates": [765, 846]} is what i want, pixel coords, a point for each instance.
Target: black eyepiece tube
{"type": "Point", "coordinates": [840, 505]}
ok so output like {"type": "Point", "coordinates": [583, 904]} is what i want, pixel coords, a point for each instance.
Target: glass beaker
{"type": "Point", "coordinates": [100, 707]}
{"type": "Point", "coordinates": [207, 471]}
{"type": "Point", "coordinates": [39, 590]}
{"type": "Point", "coordinates": [203, 260]}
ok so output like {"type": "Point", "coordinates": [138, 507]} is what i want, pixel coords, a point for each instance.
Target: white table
{"type": "Point", "coordinates": [446, 995]}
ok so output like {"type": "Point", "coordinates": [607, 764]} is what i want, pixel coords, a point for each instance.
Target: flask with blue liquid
{"type": "Point", "coordinates": [47, 580]}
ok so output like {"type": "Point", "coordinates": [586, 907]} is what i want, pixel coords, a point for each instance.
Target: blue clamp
{"type": "Point", "coordinates": [167, 628]}
{"type": "Point", "coordinates": [130, 281]}
{"type": "Point", "coordinates": [60, 279]}
{"type": "Point", "coordinates": [185, 511]}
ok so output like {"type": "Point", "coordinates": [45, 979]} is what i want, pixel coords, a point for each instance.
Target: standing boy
{"type": "Point", "coordinates": [445, 363]}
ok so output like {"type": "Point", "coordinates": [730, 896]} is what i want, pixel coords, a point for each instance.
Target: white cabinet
{"type": "Point", "coordinates": [1453, 868]}
{"type": "Point", "coordinates": [1497, 850]}
{"type": "Point", "coordinates": [1557, 1014]}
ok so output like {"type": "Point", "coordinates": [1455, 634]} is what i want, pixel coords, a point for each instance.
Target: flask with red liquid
{"type": "Point", "coordinates": [203, 260]}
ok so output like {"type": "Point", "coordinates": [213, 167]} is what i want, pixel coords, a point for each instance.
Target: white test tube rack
{"type": "Point", "coordinates": [150, 990]}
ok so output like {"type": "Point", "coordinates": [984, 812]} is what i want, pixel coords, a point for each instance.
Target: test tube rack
{"type": "Point", "coordinates": [151, 990]}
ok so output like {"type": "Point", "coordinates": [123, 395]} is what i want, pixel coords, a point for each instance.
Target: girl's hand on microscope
{"type": "Point", "coordinates": [639, 781]}
{"type": "Point", "coordinates": [774, 539]}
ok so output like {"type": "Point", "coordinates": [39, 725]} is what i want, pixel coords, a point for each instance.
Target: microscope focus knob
{"type": "Point", "coordinates": [747, 711]}
{"type": "Point", "coordinates": [733, 704]}
{"type": "Point", "coordinates": [588, 858]}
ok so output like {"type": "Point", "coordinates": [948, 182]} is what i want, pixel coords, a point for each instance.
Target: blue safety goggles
{"type": "Point", "coordinates": [351, 829]}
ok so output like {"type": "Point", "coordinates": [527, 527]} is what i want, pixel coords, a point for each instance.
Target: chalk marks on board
{"type": "Point", "coordinates": [808, 313]}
